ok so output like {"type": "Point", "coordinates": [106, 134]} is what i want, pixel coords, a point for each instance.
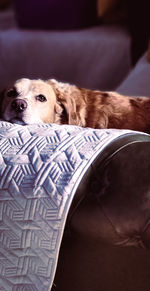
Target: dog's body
{"type": "Point", "coordinates": [33, 101]}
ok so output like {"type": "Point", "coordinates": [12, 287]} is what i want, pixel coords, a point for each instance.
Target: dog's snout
{"type": "Point", "coordinates": [19, 105]}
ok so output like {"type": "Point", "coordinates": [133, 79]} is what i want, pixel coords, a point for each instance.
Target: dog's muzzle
{"type": "Point", "coordinates": [19, 105]}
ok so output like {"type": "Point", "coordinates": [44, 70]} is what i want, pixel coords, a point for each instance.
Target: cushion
{"type": "Point", "coordinates": [96, 57]}
{"type": "Point", "coordinates": [55, 14]}
{"type": "Point", "coordinates": [137, 83]}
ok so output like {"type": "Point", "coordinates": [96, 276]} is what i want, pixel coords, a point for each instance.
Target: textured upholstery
{"type": "Point", "coordinates": [41, 167]}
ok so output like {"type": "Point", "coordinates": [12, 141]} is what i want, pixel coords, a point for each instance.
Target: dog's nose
{"type": "Point", "coordinates": [19, 105]}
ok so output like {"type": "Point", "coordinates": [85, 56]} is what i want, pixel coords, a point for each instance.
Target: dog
{"type": "Point", "coordinates": [37, 101]}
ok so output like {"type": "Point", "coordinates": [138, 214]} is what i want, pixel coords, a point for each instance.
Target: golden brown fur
{"type": "Point", "coordinates": [69, 104]}
{"type": "Point", "coordinates": [99, 109]}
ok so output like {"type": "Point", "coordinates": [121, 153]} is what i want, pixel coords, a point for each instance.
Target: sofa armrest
{"type": "Point", "coordinates": [41, 167]}
{"type": "Point", "coordinates": [106, 240]}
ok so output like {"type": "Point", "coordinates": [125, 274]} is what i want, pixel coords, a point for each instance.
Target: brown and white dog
{"type": "Point", "coordinates": [35, 101]}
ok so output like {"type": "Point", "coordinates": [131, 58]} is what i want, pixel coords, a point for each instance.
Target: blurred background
{"type": "Point", "coordinates": [91, 43]}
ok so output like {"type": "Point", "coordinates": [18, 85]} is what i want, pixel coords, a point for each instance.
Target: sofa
{"type": "Point", "coordinates": [74, 202]}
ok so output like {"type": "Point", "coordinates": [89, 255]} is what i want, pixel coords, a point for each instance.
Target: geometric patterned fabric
{"type": "Point", "coordinates": [41, 167]}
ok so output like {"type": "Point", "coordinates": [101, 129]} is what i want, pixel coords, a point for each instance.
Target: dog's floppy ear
{"type": "Point", "coordinates": [69, 112]}
{"type": "Point", "coordinates": [65, 103]}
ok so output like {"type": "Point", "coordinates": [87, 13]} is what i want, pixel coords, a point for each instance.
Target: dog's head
{"type": "Point", "coordinates": [29, 101]}
{"type": "Point", "coordinates": [36, 101]}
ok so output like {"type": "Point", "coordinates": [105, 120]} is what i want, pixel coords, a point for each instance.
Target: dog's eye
{"type": "Point", "coordinates": [12, 92]}
{"type": "Point", "coordinates": [41, 98]}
